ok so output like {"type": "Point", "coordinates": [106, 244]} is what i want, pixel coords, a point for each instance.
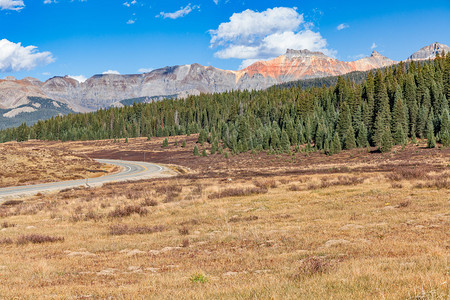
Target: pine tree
{"type": "Point", "coordinates": [349, 138]}
{"type": "Point", "coordinates": [335, 146]}
{"type": "Point", "coordinates": [399, 112]}
{"type": "Point", "coordinates": [183, 145]}
{"type": "Point", "coordinates": [445, 128]}
{"type": "Point", "coordinates": [362, 140]}
{"type": "Point", "coordinates": [382, 126]}
{"type": "Point", "coordinates": [344, 121]}
{"type": "Point", "coordinates": [386, 141]}
{"type": "Point", "coordinates": [431, 139]}
{"type": "Point", "coordinates": [284, 143]}
{"type": "Point", "coordinates": [196, 153]}
{"type": "Point", "coordinates": [274, 139]}
{"type": "Point", "coordinates": [214, 147]}
{"type": "Point", "coordinates": [165, 143]}
{"type": "Point", "coordinates": [204, 153]}
{"type": "Point", "coordinates": [399, 135]}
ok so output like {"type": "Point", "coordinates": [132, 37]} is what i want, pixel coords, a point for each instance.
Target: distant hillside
{"type": "Point", "coordinates": [356, 77]}
{"type": "Point", "coordinates": [132, 101]}
{"type": "Point", "coordinates": [37, 109]}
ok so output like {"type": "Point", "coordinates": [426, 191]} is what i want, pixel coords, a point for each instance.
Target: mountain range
{"type": "Point", "coordinates": [64, 94]}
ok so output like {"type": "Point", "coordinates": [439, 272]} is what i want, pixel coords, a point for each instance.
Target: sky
{"type": "Point", "coordinates": [81, 38]}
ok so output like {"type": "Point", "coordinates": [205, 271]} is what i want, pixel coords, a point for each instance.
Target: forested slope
{"type": "Point", "coordinates": [387, 108]}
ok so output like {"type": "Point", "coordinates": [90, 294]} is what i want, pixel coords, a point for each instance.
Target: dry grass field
{"type": "Point", "coordinates": [356, 225]}
{"type": "Point", "coordinates": [22, 164]}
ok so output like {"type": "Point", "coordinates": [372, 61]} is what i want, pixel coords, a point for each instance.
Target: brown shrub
{"type": "Point", "coordinates": [268, 183]}
{"type": "Point", "coordinates": [396, 185]}
{"type": "Point", "coordinates": [235, 192]}
{"type": "Point", "coordinates": [190, 222]}
{"type": "Point", "coordinates": [90, 215]}
{"type": "Point", "coordinates": [185, 243]}
{"type": "Point", "coordinates": [173, 188]}
{"type": "Point", "coordinates": [149, 202]}
{"type": "Point", "coordinates": [12, 202]}
{"type": "Point", "coordinates": [6, 241]}
{"type": "Point", "coordinates": [404, 204]}
{"type": "Point", "coordinates": [341, 180]}
{"type": "Point", "coordinates": [37, 239]}
{"type": "Point", "coordinates": [183, 231]}
{"type": "Point", "coordinates": [7, 225]}
{"type": "Point", "coordinates": [408, 173]}
{"type": "Point", "coordinates": [122, 229]}
{"type": "Point", "coordinates": [439, 183]}
{"type": "Point", "coordinates": [294, 188]}
{"type": "Point", "coordinates": [238, 219]}
{"type": "Point", "coordinates": [120, 212]}
{"type": "Point", "coordinates": [314, 265]}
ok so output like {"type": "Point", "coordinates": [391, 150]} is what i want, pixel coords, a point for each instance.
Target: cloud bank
{"type": "Point", "coordinates": [14, 57]}
{"type": "Point", "coordinates": [252, 35]}
{"type": "Point", "coordinates": [11, 5]}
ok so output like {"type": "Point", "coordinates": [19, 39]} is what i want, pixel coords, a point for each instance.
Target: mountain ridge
{"type": "Point", "coordinates": [104, 90]}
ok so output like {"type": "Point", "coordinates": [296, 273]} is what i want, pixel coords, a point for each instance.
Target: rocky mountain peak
{"type": "Point", "coordinates": [429, 52]}
{"type": "Point", "coordinates": [376, 54]}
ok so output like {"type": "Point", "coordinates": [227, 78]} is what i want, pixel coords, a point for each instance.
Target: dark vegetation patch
{"type": "Point", "coordinates": [315, 265]}
{"type": "Point", "coordinates": [238, 192]}
{"type": "Point", "coordinates": [241, 219]}
{"type": "Point", "coordinates": [340, 181]}
{"type": "Point", "coordinates": [128, 210]}
{"type": "Point", "coordinates": [37, 239]}
{"type": "Point", "coordinates": [122, 229]}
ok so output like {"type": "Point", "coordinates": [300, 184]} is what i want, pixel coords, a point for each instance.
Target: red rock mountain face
{"type": "Point", "coordinates": [302, 64]}
{"type": "Point", "coordinates": [105, 90]}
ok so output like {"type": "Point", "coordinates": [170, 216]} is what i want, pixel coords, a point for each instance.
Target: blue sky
{"type": "Point", "coordinates": [87, 37]}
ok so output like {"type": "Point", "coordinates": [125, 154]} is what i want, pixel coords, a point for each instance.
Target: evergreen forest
{"type": "Point", "coordinates": [391, 106]}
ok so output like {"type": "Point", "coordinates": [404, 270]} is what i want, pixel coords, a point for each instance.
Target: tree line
{"type": "Point", "coordinates": [390, 107]}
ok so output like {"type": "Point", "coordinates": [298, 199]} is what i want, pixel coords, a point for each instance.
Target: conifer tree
{"type": "Point", "coordinates": [362, 140]}
{"type": "Point", "coordinates": [196, 153]}
{"type": "Point", "coordinates": [284, 143]}
{"type": "Point", "coordinates": [399, 112]}
{"type": "Point", "coordinates": [431, 139]}
{"type": "Point", "coordinates": [165, 143]}
{"type": "Point", "coordinates": [274, 139]}
{"type": "Point", "coordinates": [445, 129]}
{"type": "Point", "coordinates": [349, 138]}
{"type": "Point", "coordinates": [335, 146]}
{"type": "Point", "coordinates": [386, 141]}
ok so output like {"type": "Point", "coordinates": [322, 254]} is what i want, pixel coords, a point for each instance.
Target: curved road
{"type": "Point", "coordinates": [131, 170]}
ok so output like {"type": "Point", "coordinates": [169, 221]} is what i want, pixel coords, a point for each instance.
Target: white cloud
{"type": "Point", "coordinates": [14, 57]}
{"type": "Point", "coordinates": [46, 73]}
{"type": "Point", "coordinates": [128, 4]}
{"type": "Point", "coordinates": [145, 70]}
{"type": "Point", "coordinates": [254, 36]}
{"type": "Point", "coordinates": [373, 46]}
{"type": "Point", "coordinates": [216, 1]}
{"type": "Point", "coordinates": [342, 26]}
{"type": "Point", "coordinates": [179, 13]}
{"type": "Point", "coordinates": [55, 1]}
{"type": "Point", "coordinates": [113, 72]}
{"type": "Point", "coordinates": [131, 21]}
{"type": "Point", "coordinates": [79, 78]}
{"type": "Point", "coordinates": [11, 5]}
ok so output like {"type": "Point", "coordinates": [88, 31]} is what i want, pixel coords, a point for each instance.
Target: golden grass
{"type": "Point", "coordinates": [22, 164]}
{"type": "Point", "coordinates": [359, 240]}
{"type": "Point", "coordinates": [355, 225]}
